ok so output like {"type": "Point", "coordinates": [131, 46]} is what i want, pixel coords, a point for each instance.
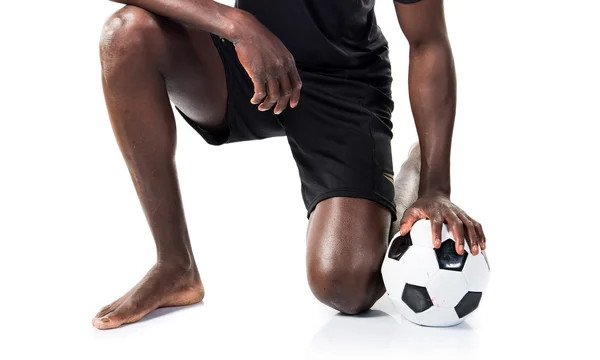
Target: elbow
{"type": "Point", "coordinates": [428, 37]}
{"type": "Point", "coordinates": [439, 45]}
{"type": "Point", "coordinates": [420, 44]}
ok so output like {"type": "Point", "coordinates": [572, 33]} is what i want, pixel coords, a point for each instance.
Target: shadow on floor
{"type": "Point", "coordinates": [168, 310]}
{"type": "Point", "coordinates": [357, 335]}
{"type": "Point", "coordinates": [384, 332]}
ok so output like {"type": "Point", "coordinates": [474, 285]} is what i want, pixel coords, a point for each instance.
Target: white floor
{"type": "Point", "coordinates": [86, 243]}
{"type": "Point", "coordinates": [73, 237]}
{"type": "Point", "coordinates": [260, 307]}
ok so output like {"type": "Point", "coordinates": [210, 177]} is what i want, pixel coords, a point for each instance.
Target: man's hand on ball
{"type": "Point", "coordinates": [439, 210]}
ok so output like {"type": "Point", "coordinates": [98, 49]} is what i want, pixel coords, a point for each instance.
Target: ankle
{"type": "Point", "coordinates": [183, 263]}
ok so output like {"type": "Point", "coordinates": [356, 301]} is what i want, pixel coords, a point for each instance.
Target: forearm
{"type": "Point", "coordinates": [432, 89]}
{"type": "Point", "coordinates": [207, 15]}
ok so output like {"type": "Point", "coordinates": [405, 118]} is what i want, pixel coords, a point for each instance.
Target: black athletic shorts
{"type": "Point", "coordinates": [340, 133]}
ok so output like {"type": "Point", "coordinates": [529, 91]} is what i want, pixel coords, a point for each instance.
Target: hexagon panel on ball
{"type": "Point", "coordinates": [477, 272]}
{"type": "Point", "coordinates": [420, 265]}
{"type": "Point", "coordinates": [421, 234]}
{"type": "Point", "coordinates": [439, 317]}
{"type": "Point", "coordinates": [447, 288]}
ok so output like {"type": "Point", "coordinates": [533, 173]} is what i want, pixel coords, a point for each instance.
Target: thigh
{"type": "Point", "coordinates": [205, 71]}
{"type": "Point", "coordinates": [347, 232]}
{"type": "Point", "coordinates": [190, 65]}
{"type": "Point", "coordinates": [340, 136]}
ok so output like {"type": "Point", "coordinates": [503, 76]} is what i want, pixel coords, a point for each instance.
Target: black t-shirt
{"type": "Point", "coordinates": [325, 34]}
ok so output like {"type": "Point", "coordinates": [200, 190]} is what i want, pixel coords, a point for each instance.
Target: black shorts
{"type": "Point", "coordinates": [340, 133]}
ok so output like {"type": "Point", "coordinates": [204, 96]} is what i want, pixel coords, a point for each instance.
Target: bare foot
{"type": "Point", "coordinates": [162, 286]}
{"type": "Point", "coordinates": [406, 184]}
{"type": "Point", "coordinates": [415, 151]}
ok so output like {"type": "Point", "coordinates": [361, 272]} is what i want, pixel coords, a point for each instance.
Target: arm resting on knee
{"type": "Point", "coordinates": [208, 15]}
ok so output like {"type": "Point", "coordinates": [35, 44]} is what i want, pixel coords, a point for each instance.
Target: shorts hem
{"type": "Point", "coordinates": [218, 137]}
{"type": "Point", "coordinates": [353, 194]}
{"type": "Point", "coordinates": [212, 137]}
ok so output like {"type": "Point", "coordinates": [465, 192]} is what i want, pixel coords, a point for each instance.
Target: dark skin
{"type": "Point", "coordinates": [154, 52]}
{"type": "Point", "coordinates": [432, 89]}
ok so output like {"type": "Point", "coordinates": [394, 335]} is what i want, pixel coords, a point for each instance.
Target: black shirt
{"type": "Point", "coordinates": [325, 34]}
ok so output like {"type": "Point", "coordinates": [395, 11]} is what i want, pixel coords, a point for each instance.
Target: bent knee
{"type": "Point", "coordinates": [128, 32]}
{"type": "Point", "coordinates": [349, 288]}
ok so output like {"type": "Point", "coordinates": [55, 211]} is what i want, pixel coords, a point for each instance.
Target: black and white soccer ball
{"type": "Point", "coordinates": [433, 287]}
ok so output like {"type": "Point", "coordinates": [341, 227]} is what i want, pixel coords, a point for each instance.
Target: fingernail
{"type": "Point", "coordinates": [461, 249]}
{"type": "Point", "coordinates": [104, 320]}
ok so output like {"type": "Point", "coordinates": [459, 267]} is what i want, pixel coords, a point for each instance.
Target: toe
{"type": "Point", "coordinates": [105, 310]}
{"type": "Point", "coordinates": [108, 308]}
{"type": "Point", "coordinates": [124, 313]}
{"type": "Point", "coordinates": [106, 322]}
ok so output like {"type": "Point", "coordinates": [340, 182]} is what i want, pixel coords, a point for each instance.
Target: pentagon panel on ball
{"type": "Point", "coordinates": [416, 298]}
{"type": "Point", "coordinates": [468, 304]}
{"type": "Point", "coordinates": [433, 287]}
{"type": "Point", "coordinates": [398, 246]}
{"type": "Point", "coordinates": [448, 258]}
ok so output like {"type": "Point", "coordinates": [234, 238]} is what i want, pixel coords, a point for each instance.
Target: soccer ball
{"type": "Point", "coordinates": [433, 287]}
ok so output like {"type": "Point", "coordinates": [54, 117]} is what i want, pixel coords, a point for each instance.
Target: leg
{"type": "Point", "coordinates": [347, 240]}
{"type": "Point", "coordinates": [340, 135]}
{"type": "Point", "coordinates": [147, 60]}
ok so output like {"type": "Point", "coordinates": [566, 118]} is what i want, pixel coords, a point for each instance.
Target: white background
{"type": "Point", "coordinates": [74, 238]}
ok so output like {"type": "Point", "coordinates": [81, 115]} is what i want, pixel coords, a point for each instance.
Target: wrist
{"type": "Point", "coordinates": [429, 186]}
{"type": "Point", "coordinates": [434, 192]}
{"type": "Point", "coordinates": [434, 178]}
{"type": "Point", "coordinates": [237, 24]}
